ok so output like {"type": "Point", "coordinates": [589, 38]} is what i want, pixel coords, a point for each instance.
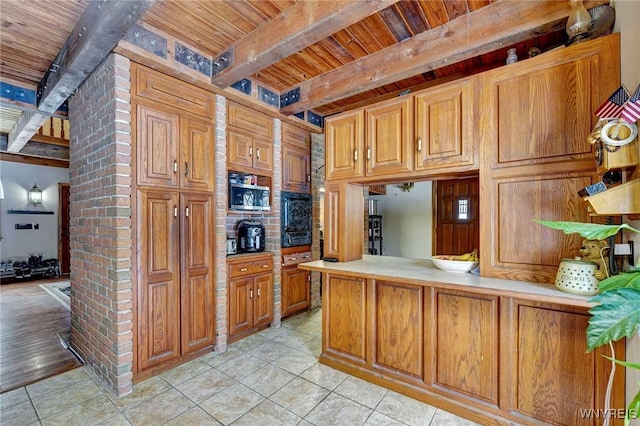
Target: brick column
{"type": "Point", "coordinates": [221, 224]}
{"type": "Point", "coordinates": [317, 182]}
{"type": "Point", "coordinates": [100, 223]}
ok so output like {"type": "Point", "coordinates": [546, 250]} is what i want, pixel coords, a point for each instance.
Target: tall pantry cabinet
{"type": "Point", "coordinates": [173, 151]}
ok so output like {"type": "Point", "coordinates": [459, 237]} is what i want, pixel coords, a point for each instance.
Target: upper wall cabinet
{"type": "Point", "coordinates": [541, 110]}
{"type": "Point", "coordinates": [427, 133]}
{"type": "Point", "coordinates": [444, 126]}
{"type": "Point", "coordinates": [389, 137]}
{"type": "Point", "coordinates": [174, 150]}
{"type": "Point", "coordinates": [344, 145]}
{"type": "Point", "coordinates": [296, 159]}
{"type": "Point", "coordinates": [249, 140]}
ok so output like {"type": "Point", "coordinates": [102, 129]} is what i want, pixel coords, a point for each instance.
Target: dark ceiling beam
{"type": "Point", "coordinates": [299, 26]}
{"type": "Point", "coordinates": [490, 28]}
{"type": "Point", "coordinates": [96, 33]}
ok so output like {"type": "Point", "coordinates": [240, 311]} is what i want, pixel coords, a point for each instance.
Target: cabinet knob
{"type": "Point", "coordinates": [258, 153]}
{"type": "Point", "coordinates": [258, 291]}
{"type": "Point", "coordinates": [419, 144]}
{"type": "Point", "coordinates": [186, 168]}
{"type": "Point", "coordinates": [243, 269]}
{"type": "Point", "coordinates": [251, 294]}
{"type": "Point", "coordinates": [368, 153]}
{"type": "Point", "coordinates": [265, 266]}
{"type": "Point", "coordinates": [250, 151]}
{"type": "Point", "coordinates": [175, 166]}
{"type": "Point", "coordinates": [175, 211]}
{"type": "Point", "coordinates": [186, 212]}
{"type": "Point", "coordinates": [355, 155]}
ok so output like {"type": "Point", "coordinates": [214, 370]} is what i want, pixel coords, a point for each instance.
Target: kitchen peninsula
{"type": "Point", "coordinates": [493, 350]}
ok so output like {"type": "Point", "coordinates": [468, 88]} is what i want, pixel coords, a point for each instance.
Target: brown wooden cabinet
{"type": "Point", "coordinates": [247, 153]}
{"type": "Point", "coordinates": [347, 299]}
{"type": "Point", "coordinates": [343, 221]}
{"type": "Point", "coordinates": [398, 320]}
{"type": "Point", "coordinates": [344, 145]}
{"type": "Point", "coordinates": [536, 117]}
{"type": "Point", "coordinates": [490, 353]}
{"type": "Point", "coordinates": [389, 137]}
{"type": "Point", "coordinates": [444, 126]}
{"type": "Point", "coordinates": [296, 283]}
{"type": "Point", "coordinates": [173, 149]}
{"type": "Point", "coordinates": [296, 159]}
{"type": "Point", "coordinates": [250, 294]}
{"type": "Point", "coordinates": [175, 286]}
{"type": "Point", "coordinates": [466, 340]}
{"type": "Point", "coordinates": [249, 140]}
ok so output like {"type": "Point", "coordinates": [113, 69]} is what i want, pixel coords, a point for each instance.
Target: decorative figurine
{"type": "Point", "coordinates": [593, 251]}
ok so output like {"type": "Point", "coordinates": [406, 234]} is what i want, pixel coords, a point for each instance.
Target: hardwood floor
{"type": "Point", "coordinates": [30, 350]}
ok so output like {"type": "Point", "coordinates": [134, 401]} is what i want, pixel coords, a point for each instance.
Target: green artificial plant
{"type": "Point", "coordinates": [616, 313]}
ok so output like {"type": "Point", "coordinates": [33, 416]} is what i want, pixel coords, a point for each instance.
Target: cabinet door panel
{"type": "Point", "coordinates": [467, 344]}
{"type": "Point", "coordinates": [263, 299]}
{"type": "Point", "coordinates": [196, 139]}
{"type": "Point", "coordinates": [296, 168]}
{"type": "Point", "coordinates": [250, 120]}
{"type": "Point", "coordinates": [157, 141]}
{"type": "Point", "coordinates": [345, 318]}
{"type": "Point", "coordinates": [240, 305]}
{"type": "Point", "coordinates": [262, 155]}
{"type": "Point", "coordinates": [344, 146]}
{"type": "Point", "coordinates": [389, 137]}
{"type": "Point", "coordinates": [398, 341]}
{"type": "Point", "coordinates": [551, 359]}
{"type": "Point", "coordinates": [239, 149]}
{"type": "Point", "coordinates": [296, 294]}
{"type": "Point", "coordinates": [159, 279]}
{"type": "Point", "coordinates": [296, 136]}
{"type": "Point", "coordinates": [198, 293]}
{"type": "Point", "coordinates": [444, 126]}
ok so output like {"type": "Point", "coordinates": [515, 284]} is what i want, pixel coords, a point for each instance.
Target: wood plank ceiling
{"type": "Point", "coordinates": [33, 32]}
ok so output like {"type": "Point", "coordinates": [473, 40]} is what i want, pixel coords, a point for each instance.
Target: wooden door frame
{"type": "Point", "coordinates": [62, 202]}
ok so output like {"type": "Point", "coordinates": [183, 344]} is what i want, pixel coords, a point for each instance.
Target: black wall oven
{"type": "Point", "coordinates": [295, 219]}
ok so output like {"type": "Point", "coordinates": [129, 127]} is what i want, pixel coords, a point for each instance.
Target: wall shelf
{"type": "Point", "coordinates": [29, 212]}
{"type": "Point", "coordinates": [619, 200]}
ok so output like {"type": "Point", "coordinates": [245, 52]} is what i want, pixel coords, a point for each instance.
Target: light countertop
{"type": "Point", "coordinates": [424, 272]}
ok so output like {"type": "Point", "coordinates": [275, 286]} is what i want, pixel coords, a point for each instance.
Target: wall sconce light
{"type": "Point", "coordinates": [579, 22]}
{"type": "Point", "coordinates": [35, 196]}
{"type": "Point", "coordinates": [407, 186]}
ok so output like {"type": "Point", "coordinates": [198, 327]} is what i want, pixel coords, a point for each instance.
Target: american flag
{"type": "Point", "coordinates": [612, 107]}
{"type": "Point", "coordinates": [631, 110]}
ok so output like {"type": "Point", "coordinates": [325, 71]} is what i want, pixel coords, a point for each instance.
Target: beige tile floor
{"type": "Point", "coordinates": [270, 378]}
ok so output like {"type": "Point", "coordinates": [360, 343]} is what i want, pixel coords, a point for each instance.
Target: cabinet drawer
{"type": "Point", "coordinates": [294, 259]}
{"type": "Point", "coordinates": [250, 120]}
{"type": "Point", "coordinates": [248, 267]}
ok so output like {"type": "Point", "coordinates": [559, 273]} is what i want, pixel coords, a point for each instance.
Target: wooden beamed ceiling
{"type": "Point", "coordinates": [329, 55]}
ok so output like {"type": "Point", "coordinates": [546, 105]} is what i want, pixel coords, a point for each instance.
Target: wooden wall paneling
{"type": "Point", "coordinates": [398, 328]}
{"type": "Point", "coordinates": [467, 344]}
{"type": "Point", "coordinates": [345, 321]}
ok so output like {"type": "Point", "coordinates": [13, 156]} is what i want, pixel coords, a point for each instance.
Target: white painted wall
{"type": "Point", "coordinates": [17, 179]}
{"type": "Point", "coordinates": [628, 25]}
{"type": "Point", "coordinates": [407, 220]}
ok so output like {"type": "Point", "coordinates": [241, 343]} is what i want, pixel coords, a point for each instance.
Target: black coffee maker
{"type": "Point", "coordinates": [250, 236]}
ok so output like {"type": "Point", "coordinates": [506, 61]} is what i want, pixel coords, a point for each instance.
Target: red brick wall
{"type": "Point", "coordinates": [100, 228]}
{"type": "Point", "coordinates": [317, 182]}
